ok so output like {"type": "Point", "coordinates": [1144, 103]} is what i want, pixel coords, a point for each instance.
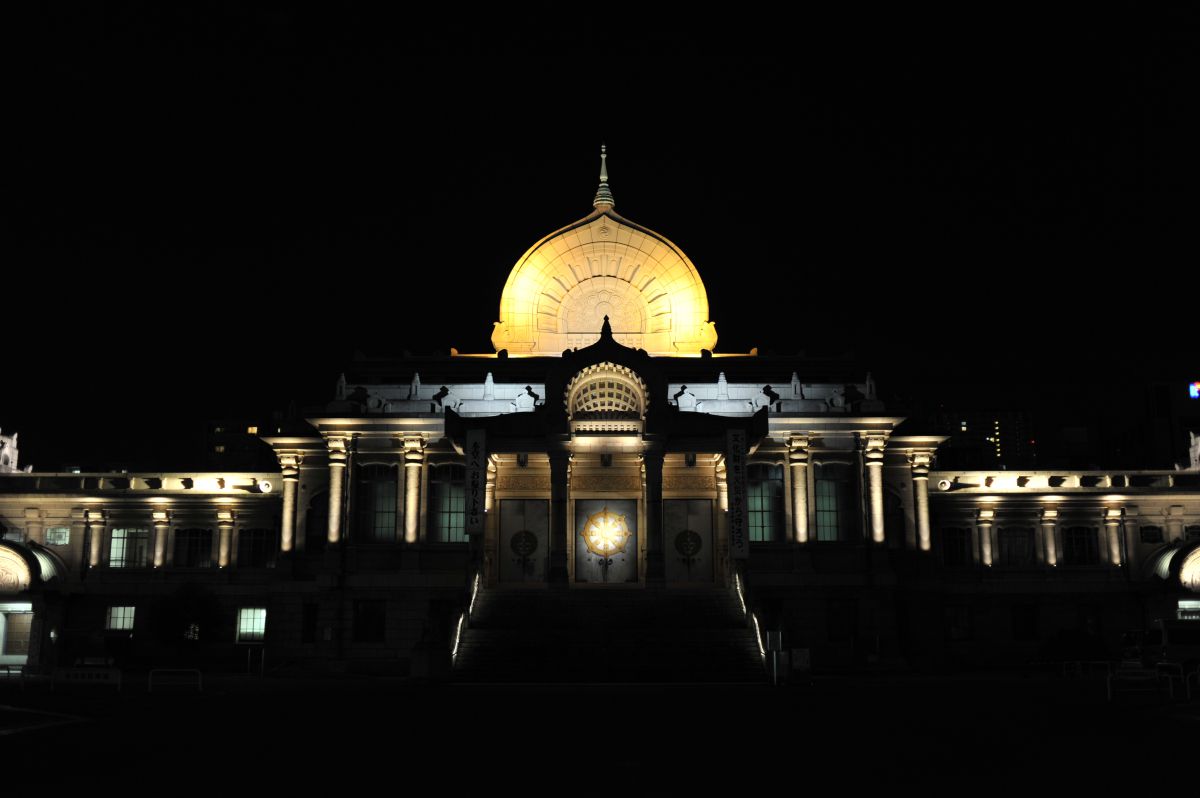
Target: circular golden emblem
{"type": "Point", "coordinates": [605, 533]}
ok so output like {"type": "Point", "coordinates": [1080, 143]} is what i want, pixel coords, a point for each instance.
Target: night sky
{"type": "Point", "coordinates": [213, 210]}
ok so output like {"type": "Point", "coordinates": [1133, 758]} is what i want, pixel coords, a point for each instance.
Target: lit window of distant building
{"type": "Point", "coordinates": [129, 548]}
{"type": "Point", "coordinates": [252, 625]}
{"type": "Point", "coordinates": [58, 536]}
{"type": "Point", "coordinates": [120, 618]}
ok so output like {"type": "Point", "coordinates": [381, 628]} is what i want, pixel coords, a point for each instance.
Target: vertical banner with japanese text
{"type": "Point", "coordinates": [476, 455]}
{"type": "Point", "coordinates": [735, 471]}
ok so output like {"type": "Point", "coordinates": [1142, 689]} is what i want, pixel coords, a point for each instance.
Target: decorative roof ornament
{"type": "Point", "coordinates": [606, 330]}
{"type": "Point", "coordinates": [604, 195]}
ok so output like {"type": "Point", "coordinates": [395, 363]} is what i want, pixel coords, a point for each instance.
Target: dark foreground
{"type": "Point", "coordinates": [943, 734]}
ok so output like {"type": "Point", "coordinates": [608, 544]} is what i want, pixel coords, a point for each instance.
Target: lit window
{"type": "Point", "coordinates": [18, 630]}
{"type": "Point", "coordinates": [120, 618]}
{"type": "Point", "coordinates": [764, 502]}
{"type": "Point", "coordinates": [252, 625]}
{"type": "Point", "coordinates": [1188, 610]}
{"type": "Point", "coordinates": [251, 430]}
{"type": "Point", "coordinates": [375, 502]}
{"type": "Point", "coordinates": [219, 449]}
{"type": "Point", "coordinates": [448, 504]}
{"type": "Point", "coordinates": [835, 502]}
{"type": "Point", "coordinates": [58, 536]}
{"type": "Point", "coordinates": [129, 548]}
{"type": "Point", "coordinates": [1194, 390]}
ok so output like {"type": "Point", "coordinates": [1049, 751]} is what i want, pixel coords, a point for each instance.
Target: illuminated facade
{"type": "Point", "coordinates": [604, 479]}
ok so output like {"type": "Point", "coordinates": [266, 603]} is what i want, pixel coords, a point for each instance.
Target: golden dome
{"type": "Point", "coordinates": [559, 292]}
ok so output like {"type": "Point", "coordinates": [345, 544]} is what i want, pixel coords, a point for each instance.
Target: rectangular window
{"type": "Point", "coordinates": [58, 536]}
{"type": "Point", "coordinates": [369, 617]}
{"type": "Point", "coordinates": [835, 502]}
{"type": "Point", "coordinates": [18, 627]}
{"type": "Point", "coordinates": [120, 618]}
{"type": "Point", "coordinates": [1016, 546]}
{"type": "Point", "coordinates": [129, 548]}
{"type": "Point", "coordinates": [252, 625]}
{"type": "Point", "coordinates": [1080, 546]}
{"type": "Point", "coordinates": [448, 504]}
{"type": "Point", "coordinates": [764, 502]}
{"type": "Point", "coordinates": [1152, 534]}
{"type": "Point", "coordinates": [828, 502]}
{"type": "Point", "coordinates": [193, 548]}
{"type": "Point", "coordinates": [376, 503]}
{"type": "Point", "coordinates": [256, 548]}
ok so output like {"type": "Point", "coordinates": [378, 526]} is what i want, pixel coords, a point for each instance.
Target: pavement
{"type": "Point", "coordinates": [938, 732]}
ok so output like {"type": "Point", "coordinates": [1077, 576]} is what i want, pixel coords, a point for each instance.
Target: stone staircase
{"type": "Point", "coordinates": [616, 635]}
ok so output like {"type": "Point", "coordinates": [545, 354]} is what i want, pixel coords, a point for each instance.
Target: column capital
{"type": "Point", "coordinates": [1114, 515]}
{"type": "Point", "coordinates": [339, 449]}
{"type": "Point", "coordinates": [799, 442]}
{"type": "Point", "coordinates": [1049, 515]}
{"type": "Point", "coordinates": [225, 517]}
{"type": "Point", "coordinates": [921, 462]}
{"type": "Point", "coordinates": [290, 463]}
{"type": "Point", "coordinates": [93, 516]}
{"type": "Point", "coordinates": [985, 515]}
{"type": "Point", "coordinates": [161, 517]}
{"type": "Point", "coordinates": [414, 448]}
{"type": "Point", "coordinates": [872, 444]}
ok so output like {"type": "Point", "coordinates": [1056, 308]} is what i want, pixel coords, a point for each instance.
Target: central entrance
{"type": "Point", "coordinates": [606, 541]}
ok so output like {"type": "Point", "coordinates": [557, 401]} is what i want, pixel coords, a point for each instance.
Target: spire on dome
{"type": "Point", "coordinates": [603, 194]}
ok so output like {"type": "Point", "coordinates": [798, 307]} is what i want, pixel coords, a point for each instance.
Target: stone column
{"type": "Point", "coordinates": [489, 488]}
{"type": "Point", "coordinates": [290, 463]}
{"type": "Point", "coordinates": [558, 518]}
{"type": "Point", "coordinates": [983, 527]}
{"type": "Point", "coordinates": [414, 464]}
{"type": "Point", "coordinates": [1112, 527]}
{"type": "Point", "coordinates": [225, 544]}
{"type": "Point", "coordinates": [162, 528]}
{"type": "Point", "coordinates": [656, 573]}
{"type": "Point", "coordinates": [921, 462]}
{"type": "Point", "coordinates": [873, 457]}
{"type": "Point", "coordinates": [722, 530]}
{"type": "Point", "coordinates": [798, 461]}
{"type": "Point", "coordinates": [337, 480]}
{"type": "Point", "coordinates": [95, 531]}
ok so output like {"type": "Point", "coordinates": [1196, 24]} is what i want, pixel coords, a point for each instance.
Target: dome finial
{"type": "Point", "coordinates": [603, 194]}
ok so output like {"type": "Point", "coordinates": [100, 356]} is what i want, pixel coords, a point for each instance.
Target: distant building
{"type": "Point", "coordinates": [483, 516]}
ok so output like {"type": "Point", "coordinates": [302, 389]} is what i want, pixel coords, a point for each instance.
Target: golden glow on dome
{"type": "Point", "coordinates": [605, 533]}
{"type": "Point", "coordinates": [1189, 572]}
{"type": "Point", "coordinates": [559, 292]}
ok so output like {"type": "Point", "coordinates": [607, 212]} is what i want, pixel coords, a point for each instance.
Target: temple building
{"type": "Point", "coordinates": [604, 496]}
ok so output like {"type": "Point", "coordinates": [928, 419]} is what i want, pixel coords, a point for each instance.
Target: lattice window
{"type": "Point", "coordinates": [252, 625]}
{"type": "Point", "coordinates": [447, 504]}
{"type": "Point", "coordinates": [120, 618]}
{"type": "Point", "coordinates": [129, 548]}
{"type": "Point", "coordinates": [193, 548]}
{"type": "Point", "coordinates": [375, 501]}
{"type": "Point", "coordinates": [764, 502]}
